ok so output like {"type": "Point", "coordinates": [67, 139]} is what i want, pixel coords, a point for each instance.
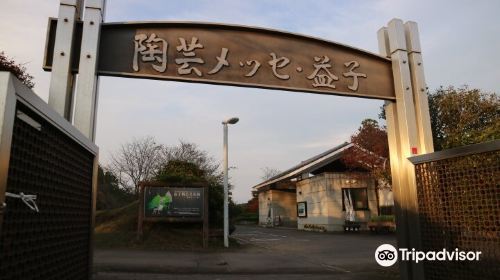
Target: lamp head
{"type": "Point", "coordinates": [231, 120]}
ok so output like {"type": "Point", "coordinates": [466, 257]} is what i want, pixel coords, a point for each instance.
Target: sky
{"type": "Point", "coordinates": [278, 129]}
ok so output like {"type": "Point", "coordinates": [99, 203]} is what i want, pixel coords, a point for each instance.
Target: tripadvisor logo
{"type": "Point", "coordinates": [387, 255]}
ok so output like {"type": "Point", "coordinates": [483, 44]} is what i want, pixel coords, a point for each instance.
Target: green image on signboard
{"type": "Point", "coordinates": [162, 202]}
{"type": "Point", "coordinates": [158, 203]}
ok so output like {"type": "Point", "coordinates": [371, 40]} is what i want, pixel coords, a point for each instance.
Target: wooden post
{"type": "Point", "coordinates": [419, 88]}
{"type": "Point", "coordinates": [206, 229]}
{"type": "Point", "coordinates": [62, 79]}
{"type": "Point", "coordinates": [140, 217]}
{"type": "Point", "coordinates": [85, 109]}
{"type": "Point", "coordinates": [391, 116]}
{"type": "Point", "coordinates": [404, 142]}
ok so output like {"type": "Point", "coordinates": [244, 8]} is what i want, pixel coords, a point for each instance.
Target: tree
{"type": "Point", "coordinates": [268, 173]}
{"type": "Point", "coordinates": [189, 152]}
{"type": "Point", "coordinates": [371, 150]}
{"type": "Point", "coordinates": [252, 205]}
{"type": "Point", "coordinates": [109, 193]}
{"type": "Point", "coordinates": [186, 163]}
{"type": "Point", "coordinates": [463, 116]}
{"type": "Point", "coordinates": [181, 171]}
{"type": "Point", "coordinates": [143, 160]}
{"type": "Point", "coordinates": [136, 161]}
{"type": "Point", "coordinates": [8, 64]}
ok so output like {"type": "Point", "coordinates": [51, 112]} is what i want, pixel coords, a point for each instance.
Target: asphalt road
{"type": "Point", "coordinates": [340, 250]}
{"type": "Point", "coordinates": [266, 253]}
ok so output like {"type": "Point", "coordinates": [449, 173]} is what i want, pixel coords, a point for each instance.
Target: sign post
{"type": "Point", "coordinates": [177, 203]}
{"type": "Point", "coordinates": [62, 80]}
{"type": "Point", "coordinates": [408, 130]}
{"type": "Point", "coordinates": [85, 110]}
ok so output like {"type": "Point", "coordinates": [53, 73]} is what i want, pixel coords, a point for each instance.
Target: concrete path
{"type": "Point", "coordinates": [266, 254]}
{"type": "Point", "coordinates": [341, 250]}
{"type": "Point", "coordinates": [201, 262]}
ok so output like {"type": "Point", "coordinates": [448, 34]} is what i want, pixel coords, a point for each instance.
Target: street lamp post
{"type": "Point", "coordinates": [226, 187]}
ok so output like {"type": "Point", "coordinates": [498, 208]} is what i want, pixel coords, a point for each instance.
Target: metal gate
{"type": "Point", "coordinates": [47, 160]}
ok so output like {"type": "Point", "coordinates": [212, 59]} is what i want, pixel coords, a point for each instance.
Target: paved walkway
{"type": "Point", "coordinates": [266, 254]}
{"type": "Point", "coordinates": [341, 250]}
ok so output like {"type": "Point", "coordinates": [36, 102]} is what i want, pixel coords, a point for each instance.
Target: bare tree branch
{"type": "Point", "coordinates": [268, 173]}
{"type": "Point", "coordinates": [136, 161]}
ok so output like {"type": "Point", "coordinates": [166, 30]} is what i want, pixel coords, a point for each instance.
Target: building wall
{"type": "Point", "coordinates": [323, 194]}
{"type": "Point", "coordinates": [283, 207]}
{"type": "Point", "coordinates": [264, 198]}
{"type": "Point", "coordinates": [314, 191]}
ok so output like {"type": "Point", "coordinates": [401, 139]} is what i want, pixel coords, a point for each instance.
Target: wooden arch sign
{"type": "Point", "coordinates": [235, 55]}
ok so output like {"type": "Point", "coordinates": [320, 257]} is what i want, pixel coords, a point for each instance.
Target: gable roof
{"type": "Point", "coordinates": [308, 165]}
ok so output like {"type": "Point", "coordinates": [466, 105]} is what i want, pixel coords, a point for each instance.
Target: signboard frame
{"type": "Point", "coordinates": [304, 205]}
{"type": "Point", "coordinates": [180, 219]}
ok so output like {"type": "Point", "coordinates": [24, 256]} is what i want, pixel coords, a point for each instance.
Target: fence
{"type": "Point", "coordinates": [458, 193]}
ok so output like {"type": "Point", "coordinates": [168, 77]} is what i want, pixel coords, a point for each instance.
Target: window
{"type": "Point", "coordinates": [359, 198]}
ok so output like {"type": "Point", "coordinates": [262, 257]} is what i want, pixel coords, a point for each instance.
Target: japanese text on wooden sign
{"type": "Point", "coordinates": [242, 56]}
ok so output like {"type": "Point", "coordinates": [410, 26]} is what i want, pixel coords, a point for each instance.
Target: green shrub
{"type": "Point", "coordinates": [383, 218]}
